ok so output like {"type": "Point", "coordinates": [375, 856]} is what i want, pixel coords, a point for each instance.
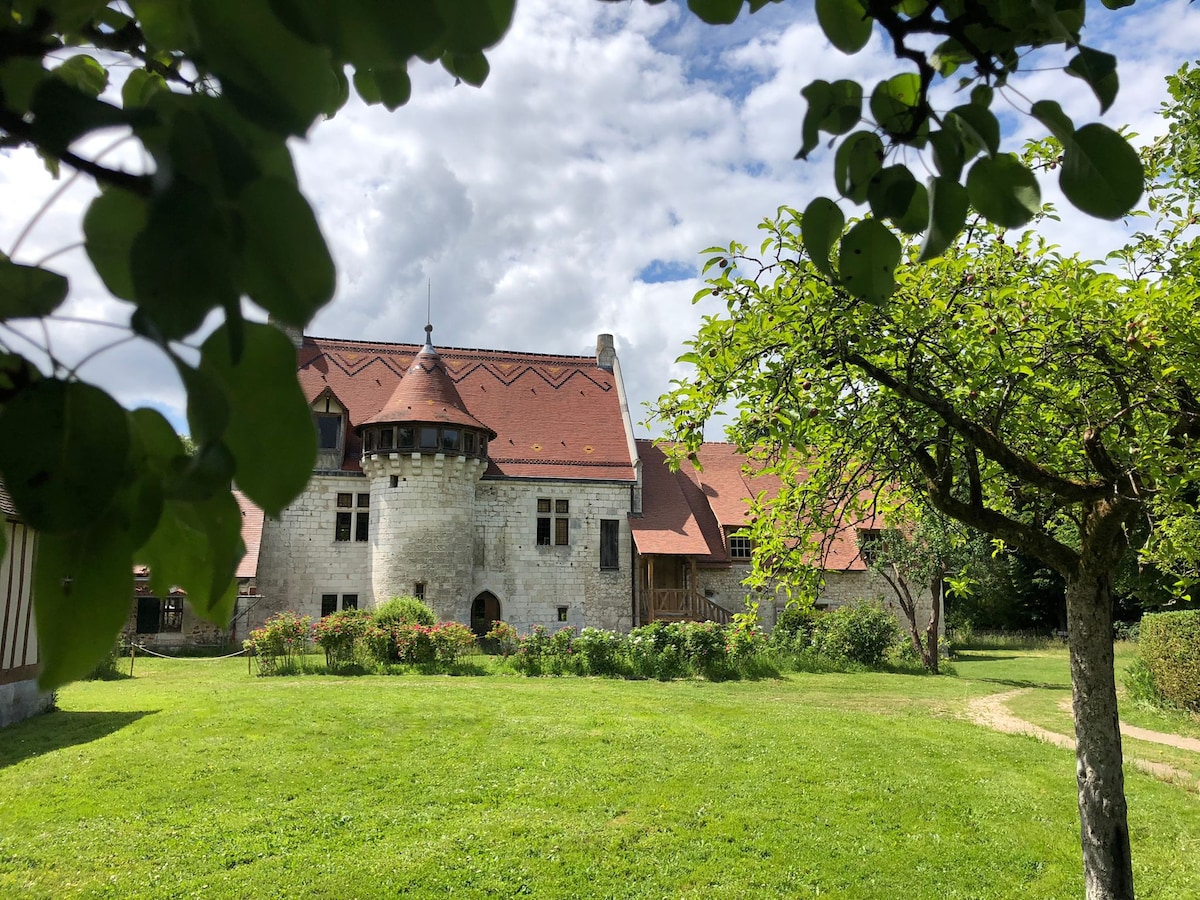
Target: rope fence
{"type": "Point", "coordinates": [135, 648]}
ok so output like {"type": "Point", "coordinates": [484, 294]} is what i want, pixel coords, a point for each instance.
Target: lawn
{"type": "Point", "coordinates": [194, 779]}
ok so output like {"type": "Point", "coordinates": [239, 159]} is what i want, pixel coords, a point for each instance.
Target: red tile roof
{"type": "Point", "coordinates": [711, 502]}
{"type": "Point", "coordinates": [426, 394]}
{"type": "Point", "coordinates": [252, 526]}
{"type": "Point", "coordinates": [554, 416]}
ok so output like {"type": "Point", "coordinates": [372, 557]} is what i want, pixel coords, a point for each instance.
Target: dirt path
{"type": "Point", "coordinates": [993, 712]}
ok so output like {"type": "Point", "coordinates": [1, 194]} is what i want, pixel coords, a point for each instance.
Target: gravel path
{"type": "Point", "coordinates": [993, 712]}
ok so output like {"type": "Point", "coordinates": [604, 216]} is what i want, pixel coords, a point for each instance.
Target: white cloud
{"type": "Point", "coordinates": [607, 138]}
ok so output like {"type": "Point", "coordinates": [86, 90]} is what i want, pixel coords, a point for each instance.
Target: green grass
{"type": "Point", "coordinates": [194, 780]}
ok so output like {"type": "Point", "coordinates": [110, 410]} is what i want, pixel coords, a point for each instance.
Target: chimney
{"type": "Point", "coordinates": [606, 351]}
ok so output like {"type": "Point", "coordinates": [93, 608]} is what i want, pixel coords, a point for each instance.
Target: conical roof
{"type": "Point", "coordinates": [426, 395]}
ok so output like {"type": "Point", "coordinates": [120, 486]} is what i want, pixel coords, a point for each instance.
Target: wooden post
{"type": "Point", "coordinates": [132, 654]}
{"type": "Point", "coordinates": [694, 599]}
{"type": "Point", "coordinates": [249, 653]}
{"type": "Point", "coordinates": [649, 589]}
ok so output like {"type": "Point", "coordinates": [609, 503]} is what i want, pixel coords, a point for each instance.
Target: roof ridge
{"type": "Point", "coordinates": [406, 346]}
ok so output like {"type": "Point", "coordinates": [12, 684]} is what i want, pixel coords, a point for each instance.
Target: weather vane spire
{"type": "Point", "coordinates": [429, 313]}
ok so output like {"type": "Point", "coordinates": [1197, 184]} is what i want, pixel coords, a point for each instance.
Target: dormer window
{"type": "Point", "coordinates": [329, 431]}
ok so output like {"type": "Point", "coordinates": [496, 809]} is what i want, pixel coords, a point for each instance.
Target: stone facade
{"type": "Point", "coordinates": [19, 657]}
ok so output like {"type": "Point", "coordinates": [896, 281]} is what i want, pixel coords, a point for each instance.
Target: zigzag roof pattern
{"type": "Point", "coordinates": [554, 416]}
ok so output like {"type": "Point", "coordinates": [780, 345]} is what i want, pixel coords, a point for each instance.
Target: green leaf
{"type": "Point", "coordinates": [394, 87]}
{"type": "Point", "coordinates": [979, 129]}
{"type": "Point", "coordinates": [819, 97]}
{"type": "Point", "coordinates": [112, 222]}
{"type": "Point", "coordinates": [858, 160]}
{"type": "Point", "coordinates": [270, 430]}
{"type": "Point", "coordinates": [981, 95]}
{"type": "Point", "coordinates": [867, 261]}
{"type": "Point", "coordinates": [895, 194]}
{"type": "Point", "coordinates": [82, 588]}
{"type": "Point", "coordinates": [820, 226]}
{"type": "Point", "coordinates": [72, 457]}
{"type": "Point", "coordinates": [845, 107]}
{"type": "Point", "coordinates": [286, 267]}
{"type": "Point", "coordinates": [29, 291]}
{"type": "Point", "coordinates": [478, 24]}
{"type": "Point", "coordinates": [167, 24]}
{"type": "Point", "coordinates": [197, 546]}
{"type": "Point", "coordinates": [182, 261]}
{"type": "Point", "coordinates": [1057, 122]}
{"type": "Point", "coordinates": [948, 204]}
{"type": "Point", "coordinates": [845, 23]}
{"type": "Point", "coordinates": [1117, 4]}
{"type": "Point", "coordinates": [141, 87]}
{"type": "Point", "coordinates": [894, 103]}
{"type": "Point", "coordinates": [84, 74]}
{"type": "Point", "coordinates": [1003, 190]}
{"type": "Point", "coordinates": [1101, 174]}
{"type": "Point", "coordinates": [62, 114]}
{"type": "Point", "coordinates": [948, 152]}
{"type": "Point", "coordinates": [1099, 70]}
{"type": "Point", "coordinates": [265, 70]}
{"type": "Point", "coordinates": [469, 67]}
{"type": "Point", "coordinates": [19, 78]}
{"type": "Point", "coordinates": [716, 12]}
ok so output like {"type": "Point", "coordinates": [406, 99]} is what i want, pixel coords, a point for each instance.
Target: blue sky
{"type": "Point", "coordinates": [573, 193]}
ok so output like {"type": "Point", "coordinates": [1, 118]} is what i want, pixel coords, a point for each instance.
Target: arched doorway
{"type": "Point", "coordinates": [485, 612]}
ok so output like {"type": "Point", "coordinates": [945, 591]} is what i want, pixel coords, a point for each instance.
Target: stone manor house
{"type": "Point", "coordinates": [497, 485]}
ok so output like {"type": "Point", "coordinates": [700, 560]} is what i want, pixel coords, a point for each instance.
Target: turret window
{"type": "Point", "coordinates": [426, 438]}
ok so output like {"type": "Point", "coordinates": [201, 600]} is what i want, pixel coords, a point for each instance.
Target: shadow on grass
{"type": "Point", "coordinates": [58, 729]}
{"type": "Point", "coordinates": [975, 656]}
{"type": "Point", "coordinates": [1018, 683]}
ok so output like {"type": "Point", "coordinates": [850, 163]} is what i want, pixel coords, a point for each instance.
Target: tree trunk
{"type": "Point", "coordinates": [931, 629]}
{"type": "Point", "coordinates": [1104, 829]}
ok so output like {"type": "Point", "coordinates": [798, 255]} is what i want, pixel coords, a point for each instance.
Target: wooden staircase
{"type": "Point", "coordinates": [680, 605]}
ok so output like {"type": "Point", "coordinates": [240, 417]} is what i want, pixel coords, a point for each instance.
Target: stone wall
{"type": "Point", "coordinates": [533, 581]}
{"type": "Point", "coordinates": [299, 560]}
{"type": "Point", "coordinates": [22, 699]}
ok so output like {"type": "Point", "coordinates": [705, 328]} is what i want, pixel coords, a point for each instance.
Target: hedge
{"type": "Point", "coordinates": [1170, 646]}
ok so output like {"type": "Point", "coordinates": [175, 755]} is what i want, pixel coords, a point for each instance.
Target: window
{"type": "Point", "coordinates": [329, 431]}
{"type": "Point", "coordinates": [394, 481]}
{"type": "Point", "coordinates": [610, 530]}
{"type": "Point", "coordinates": [450, 439]}
{"type": "Point", "coordinates": [740, 547]}
{"type": "Point", "coordinates": [386, 436]}
{"type": "Point", "coordinates": [405, 441]}
{"type": "Point", "coordinates": [172, 614]}
{"type": "Point", "coordinates": [875, 542]}
{"type": "Point", "coordinates": [369, 440]}
{"type": "Point", "coordinates": [362, 526]}
{"type": "Point", "coordinates": [561, 528]}
{"type": "Point", "coordinates": [429, 438]}
{"type": "Point", "coordinates": [562, 614]}
{"type": "Point", "coordinates": [328, 604]}
{"type": "Point", "coordinates": [468, 442]}
{"type": "Point", "coordinates": [349, 601]}
{"type": "Point", "coordinates": [345, 520]}
{"type": "Point", "coordinates": [419, 590]}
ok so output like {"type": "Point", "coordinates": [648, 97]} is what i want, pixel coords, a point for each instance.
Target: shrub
{"type": "Point", "coordinates": [1139, 683]}
{"type": "Point", "coordinates": [1127, 631]}
{"type": "Point", "coordinates": [1170, 646]}
{"type": "Point", "coordinates": [707, 646]}
{"type": "Point", "coordinates": [861, 633]}
{"type": "Point", "coordinates": [599, 652]}
{"type": "Point", "coordinates": [794, 628]}
{"type": "Point", "coordinates": [451, 642]}
{"type": "Point", "coordinates": [561, 655]}
{"type": "Point", "coordinates": [406, 610]}
{"type": "Point", "coordinates": [532, 650]}
{"type": "Point", "coordinates": [744, 638]}
{"type": "Point", "coordinates": [342, 635]}
{"type": "Point", "coordinates": [659, 650]}
{"type": "Point", "coordinates": [279, 643]}
{"type": "Point", "coordinates": [503, 638]}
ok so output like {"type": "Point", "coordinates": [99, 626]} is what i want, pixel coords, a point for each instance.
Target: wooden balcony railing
{"type": "Point", "coordinates": [680, 605]}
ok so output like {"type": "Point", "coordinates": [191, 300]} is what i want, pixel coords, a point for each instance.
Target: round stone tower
{"type": "Point", "coordinates": [423, 453]}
